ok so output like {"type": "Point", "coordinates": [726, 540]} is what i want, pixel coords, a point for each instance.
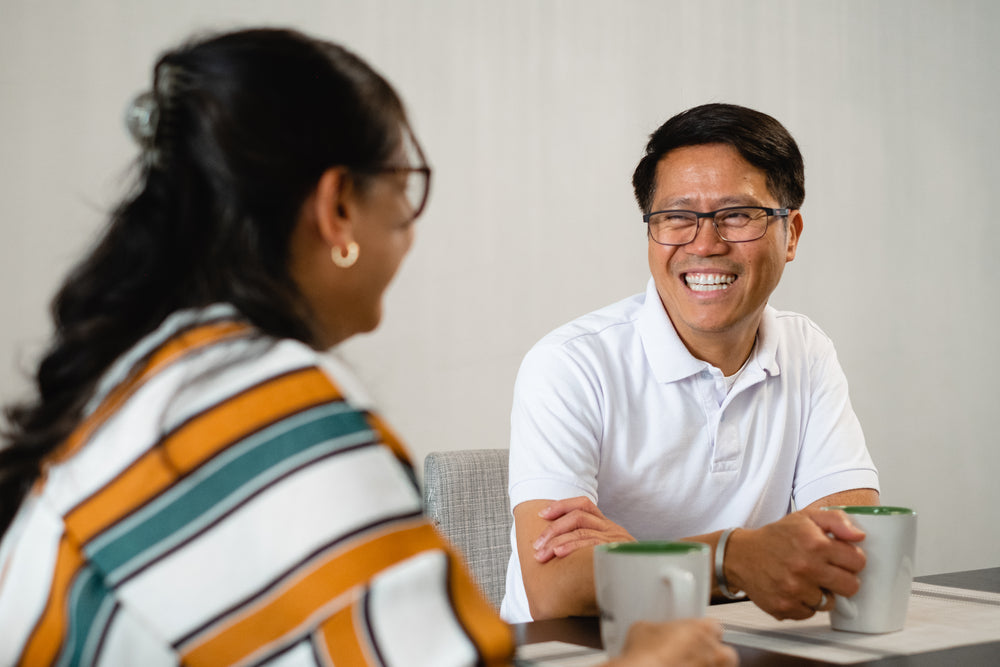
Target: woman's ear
{"type": "Point", "coordinates": [333, 206]}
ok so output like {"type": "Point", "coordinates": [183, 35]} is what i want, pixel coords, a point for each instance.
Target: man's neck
{"type": "Point", "coordinates": [727, 351]}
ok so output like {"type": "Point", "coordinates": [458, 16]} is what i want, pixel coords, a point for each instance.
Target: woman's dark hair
{"type": "Point", "coordinates": [759, 138]}
{"type": "Point", "coordinates": [241, 127]}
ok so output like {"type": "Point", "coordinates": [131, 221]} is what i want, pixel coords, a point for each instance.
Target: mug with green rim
{"type": "Point", "coordinates": [648, 581]}
{"type": "Point", "coordinates": [871, 510]}
{"type": "Point", "coordinates": [652, 547]}
{"type": "Point", "coordinates": [890, 542]}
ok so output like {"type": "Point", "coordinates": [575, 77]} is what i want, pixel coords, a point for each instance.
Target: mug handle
{"type": "Point", "coordinates": [845, 607]}
{"type": "Point", "coordinates": [682, 583]}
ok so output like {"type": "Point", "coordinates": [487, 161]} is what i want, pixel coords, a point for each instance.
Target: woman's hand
{"type": "Point", "coordinates": [687, 643]}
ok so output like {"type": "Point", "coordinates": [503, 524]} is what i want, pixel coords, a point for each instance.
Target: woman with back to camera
{"type": "Point", "coordinates": [196, 482]}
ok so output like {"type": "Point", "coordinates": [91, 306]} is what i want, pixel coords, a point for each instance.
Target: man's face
{"type": "Point", "coordinates": [710, 287]}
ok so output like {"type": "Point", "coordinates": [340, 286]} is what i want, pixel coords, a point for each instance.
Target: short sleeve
{"type": "Point", "coordinates": [833, 456]}
{"type": "Point", "coordinates": [556, 426]}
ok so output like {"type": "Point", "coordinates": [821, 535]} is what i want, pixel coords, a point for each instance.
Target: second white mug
{"type": "Point", "coordinates": [648, 581]}
{"type": "Point", "coordinates": [881, 602]}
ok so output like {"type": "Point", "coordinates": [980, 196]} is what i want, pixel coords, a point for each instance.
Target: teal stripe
{"type": "Point", "coordinates": [224, 482]}
{"type": "Point", "coordinates": [89, 606]}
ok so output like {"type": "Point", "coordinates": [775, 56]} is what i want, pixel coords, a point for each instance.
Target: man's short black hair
{"type": "Point", "coordinates": [759, 138]}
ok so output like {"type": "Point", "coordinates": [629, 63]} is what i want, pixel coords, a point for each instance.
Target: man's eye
{"type": "Point", "coordinates": [735, 218]}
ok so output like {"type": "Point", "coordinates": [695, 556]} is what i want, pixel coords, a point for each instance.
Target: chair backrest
{"type": "Point", "coordinates": [465, 495]}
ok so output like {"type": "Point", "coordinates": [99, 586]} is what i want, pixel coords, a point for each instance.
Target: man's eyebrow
{"type": "Point", "coordinates": [685, 203]}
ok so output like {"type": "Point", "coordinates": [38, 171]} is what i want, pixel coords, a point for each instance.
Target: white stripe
{"type": "Point", "coordinates": [177, 321]}
{"type": "Point", "coordinates": [233, 367]}
{"type": "Point", "coordinates": [167, 400]}
{"type": "Point", "coordinates": [299, 656]}
{"type": "Point", "coordinates": [129, 641]}
{"type": "Point", "coordinates": [413, 622]}
{"type": "Point", "coordinates": [267, 535]}
{"type": "Point", "coordinates": [235, 498]}
{"type": "Point", "coordinates": [26, 574]}
{"type": "Point", "coordinates": [345, 379]}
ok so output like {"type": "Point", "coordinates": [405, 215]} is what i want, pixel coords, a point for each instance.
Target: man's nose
{"type": "Point", "coordinates": [706, 239]}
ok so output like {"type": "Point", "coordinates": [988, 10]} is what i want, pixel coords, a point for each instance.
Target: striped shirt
{"type": "Point", "coordinates": [226, 499]}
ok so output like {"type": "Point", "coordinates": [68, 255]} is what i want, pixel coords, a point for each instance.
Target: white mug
{"type": "Point", "coordinates": [890, 544]}
{"type": "Point", "coordinates": [648, 581]}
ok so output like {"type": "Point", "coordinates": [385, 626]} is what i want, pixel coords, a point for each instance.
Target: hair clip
{"type": "Point", "coordinates": [141, 119]}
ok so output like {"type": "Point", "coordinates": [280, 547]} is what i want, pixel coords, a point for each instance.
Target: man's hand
{"type": "Point", "coordinates": [575, 523]}
{"type": "Point", "coordinates": [555, 546]}
{"type": "Point", "coordinates": [689, 643]}
{"type": "Point", "coordinates": [789, 568]}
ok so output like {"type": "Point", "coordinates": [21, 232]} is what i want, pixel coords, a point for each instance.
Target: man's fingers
{"type": "Point", "coordinates": [798, 558]}
{"type": "Point", "coordinates": [825, 602]}
{"type": "Point", "coordinates": [553, 544]}
{"type": "Point", "coordinates": [847, 556]}
{"type": "Point", "coordinates": [839, 581]}
{"type": "Point", "coordinates": [578, 523]}
{"type": "Point", "coordinates": [558, 508]}
{"type": "Point", "coordinates": [568, 523]}
{"type": "Point", "coordinates": [837, 524]}
{"type": "Point", "coordinates": [565, 544]}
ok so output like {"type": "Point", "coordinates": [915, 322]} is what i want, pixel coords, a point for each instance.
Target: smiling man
{"type": "Point", "coordinates": [694, 410]}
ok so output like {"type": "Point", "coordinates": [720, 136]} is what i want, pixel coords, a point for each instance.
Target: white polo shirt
{"type": "Point", "coordinates": [612, 406]}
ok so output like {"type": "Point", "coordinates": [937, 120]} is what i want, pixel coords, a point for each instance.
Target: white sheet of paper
{"type": "Point", "coordinates": [939, 617]}
{"type": "Point", "coordinates": [559, 654]}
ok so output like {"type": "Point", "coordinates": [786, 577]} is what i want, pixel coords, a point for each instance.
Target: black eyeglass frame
{"type": "Point", "coordinates": [425, 170]}
{"type": "Point", "coordinates": [769, 212]}
{"type": "Point", "coordinates": [392, 169]}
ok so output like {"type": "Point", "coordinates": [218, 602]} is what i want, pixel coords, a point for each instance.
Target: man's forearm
{"type": "Point", "coordinates": [555, 586]}
{"type": "Point", "coordinates": [562, 586]}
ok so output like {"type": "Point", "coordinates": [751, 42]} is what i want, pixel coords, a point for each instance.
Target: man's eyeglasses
{"type": "Point", "coordinates": [735, 224]}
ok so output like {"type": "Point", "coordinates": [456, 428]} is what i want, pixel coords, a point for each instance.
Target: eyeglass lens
{"type": "Point", "coordinates": [417, 179]}
{"type": "Point", "coordinates": [732, 224]}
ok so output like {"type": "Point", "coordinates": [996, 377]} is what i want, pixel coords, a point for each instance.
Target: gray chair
{"type": "Point", "coordinates": [465, 496]}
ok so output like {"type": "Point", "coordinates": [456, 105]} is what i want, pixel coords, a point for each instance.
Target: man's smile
{"type": "Point", "coordinates": [708, 282]}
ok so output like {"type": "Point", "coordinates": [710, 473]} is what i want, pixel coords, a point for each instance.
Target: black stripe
{"type": "Point", "coordinates": [288, 648]}
{"type": "Point", "coordinates": [320, 657]}
{"type": "Point", "coordinates": [368, 627]}
{"type": "Point", "coordinates": [300, 564]}
{"type": "Point", "coordinates": [96, 658]}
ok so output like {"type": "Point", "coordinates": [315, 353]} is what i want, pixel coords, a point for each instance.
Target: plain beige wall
{"type": "Point", "coordinates": [534, 114]}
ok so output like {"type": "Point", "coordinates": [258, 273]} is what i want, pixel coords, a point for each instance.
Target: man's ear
{"type": "Point", "coordinates": [332, 212]}
{"type": "Point", "coordinates": [793, 234]}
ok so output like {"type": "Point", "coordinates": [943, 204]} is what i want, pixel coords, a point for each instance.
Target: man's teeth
{"type": "Point", "coordinates": [706, 282]}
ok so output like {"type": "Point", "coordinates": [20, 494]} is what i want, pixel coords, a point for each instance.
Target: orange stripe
{"type": "Point", "coordinates": [196, 442]}
{"type": "Point", "coordinates": [47, 638]}
{"type": "Point", "coordinates": [248, 412]}
{"type": "Point", "coordinates": [164, 356]}
{"type": "Point", "coordinates": [344, 643]}
{"type": "Point", "coordinates": [290, 609]}
{"type": "Point", "coordinates": [491, 635]}
{"type": "Point", "coordinates": [389, 437]}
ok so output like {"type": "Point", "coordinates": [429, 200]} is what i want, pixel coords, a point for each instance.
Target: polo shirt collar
{"type": "Point", "coordinates": [671, 361]}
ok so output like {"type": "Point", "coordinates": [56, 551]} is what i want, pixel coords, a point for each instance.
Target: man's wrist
{"type": "Point", "coordinates": [720, 570]}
